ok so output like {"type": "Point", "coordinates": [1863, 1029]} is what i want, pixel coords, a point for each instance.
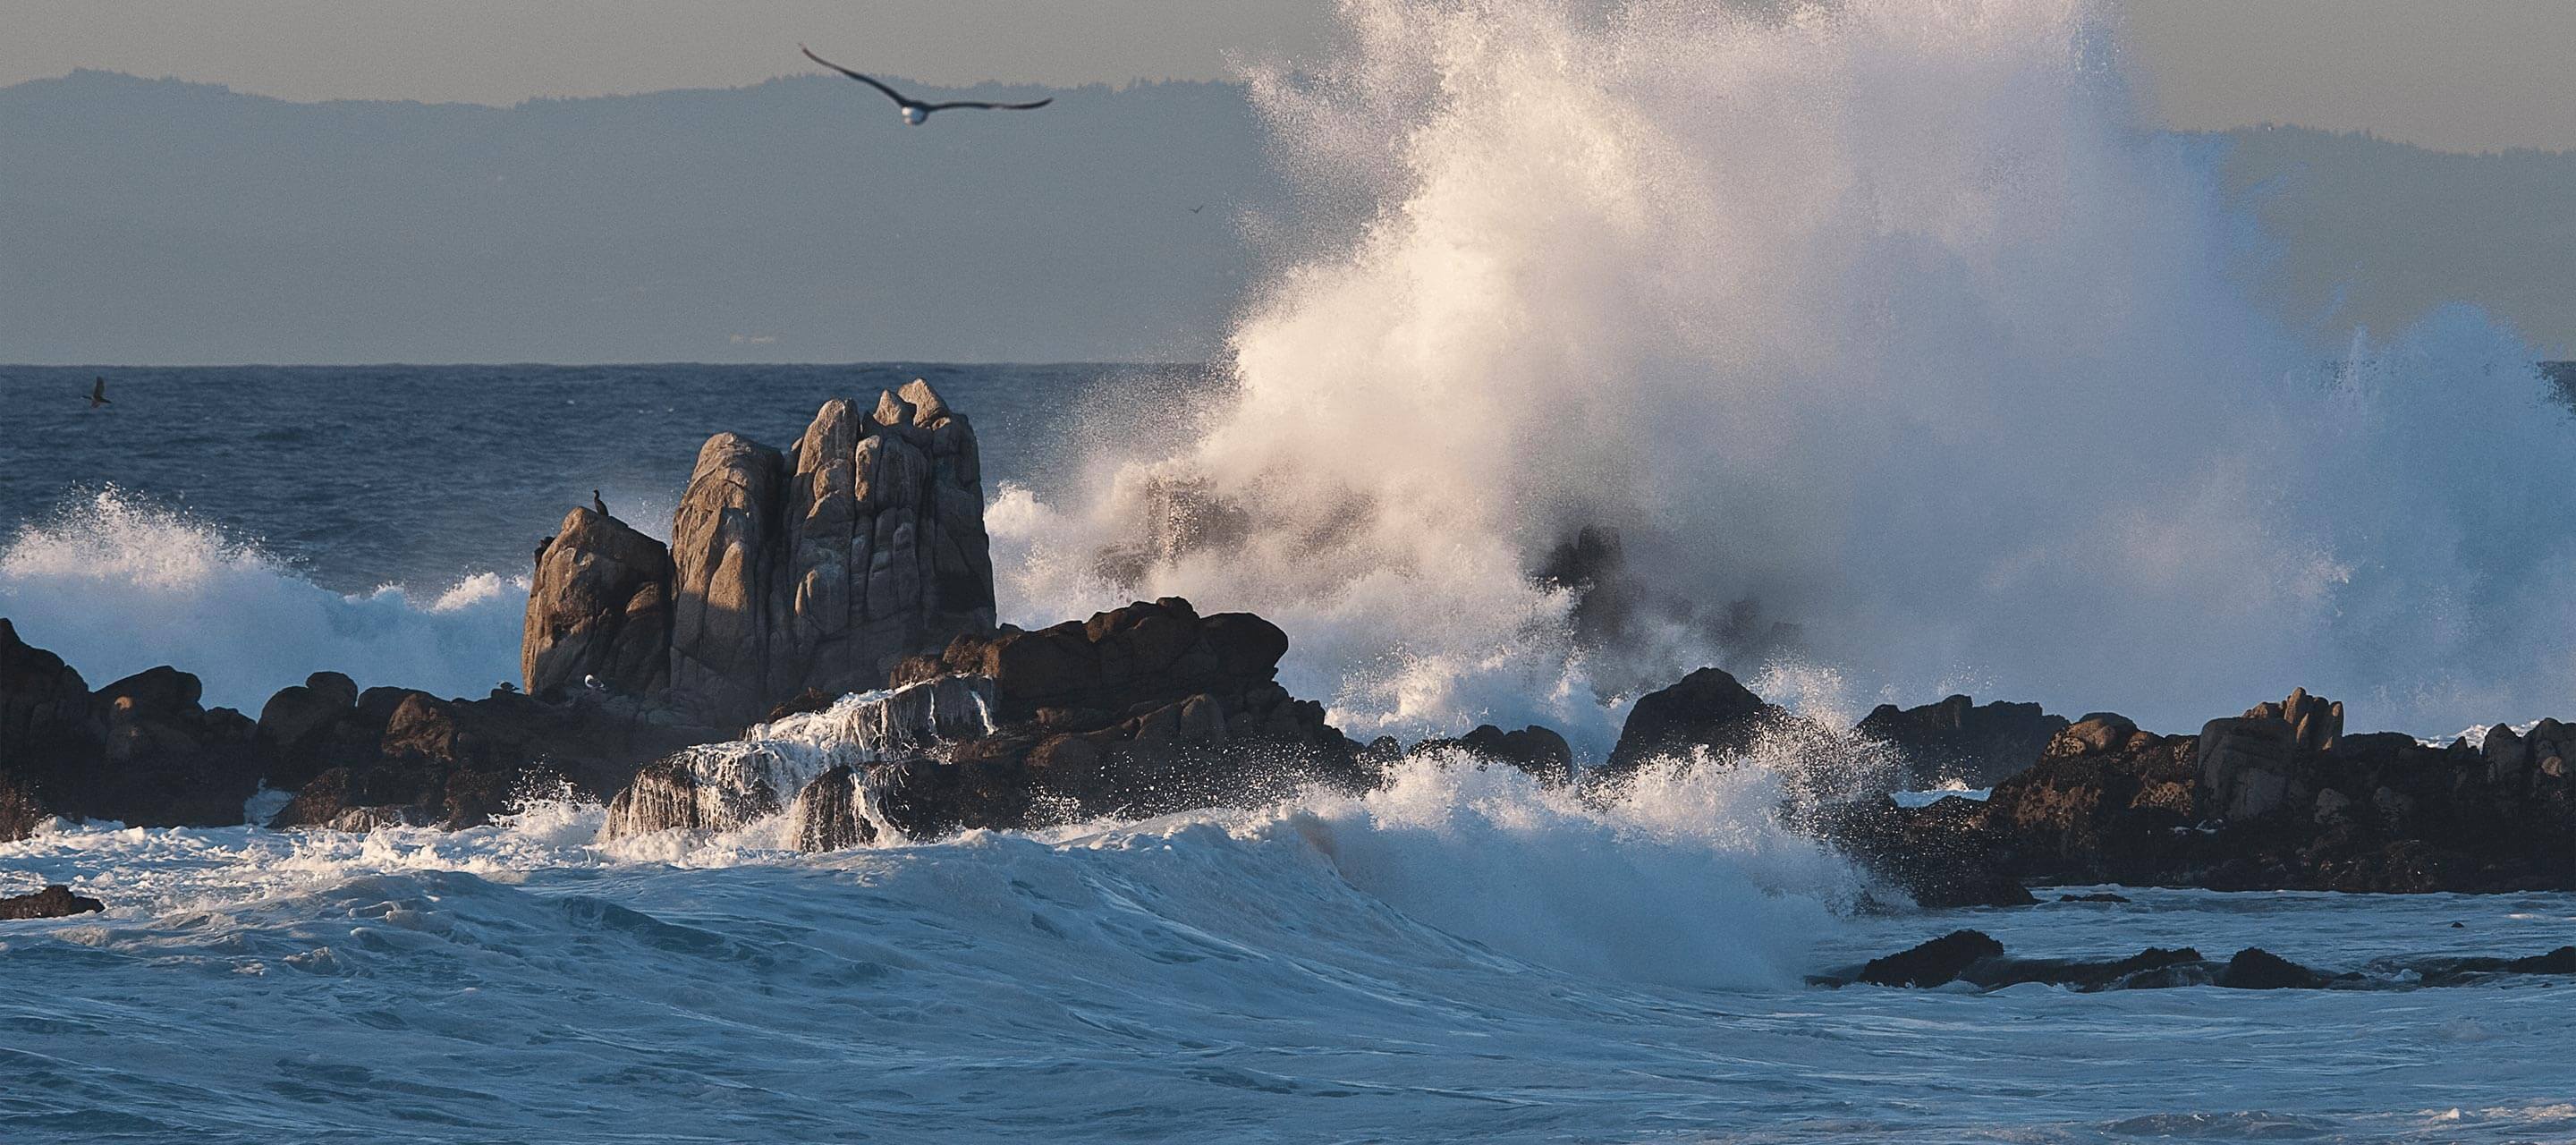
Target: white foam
{"type": "Point", "coordinates": [1877, 318]}
{"type": "Point", "coordinates": [116, 585]}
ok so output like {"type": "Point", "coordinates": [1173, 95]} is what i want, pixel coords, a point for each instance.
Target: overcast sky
{"type": "Point", "coordinates": [2456, 76]}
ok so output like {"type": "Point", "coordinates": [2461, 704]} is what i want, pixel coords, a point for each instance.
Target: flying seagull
{"type": "Point", "coordinates": [98, 394]}
{"type": "Point", "coordinates": [916, 112]}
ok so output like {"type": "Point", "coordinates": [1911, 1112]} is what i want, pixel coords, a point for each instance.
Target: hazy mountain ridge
{"type": "Point", "coordinates": [798, 220]}
{"type": "Point", "coordinates": [160, 221]}
{"type": "Point", "coordinates": [2373, 233]}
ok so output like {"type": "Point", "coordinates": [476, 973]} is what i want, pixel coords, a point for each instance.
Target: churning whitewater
{"type": "Point", "coordinates": [1886, 345]}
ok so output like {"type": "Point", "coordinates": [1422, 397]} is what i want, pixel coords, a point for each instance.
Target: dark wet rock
{"type": "Point", "coordinates": [1141, 710]}
{"type": "Point", "coordinates": [1943, 855]}
{"type": "Point", "coordinates": [808, 701]}
{"type": "Point", "coordinates": [2282, 798]}
{"type": "Point", "coordinates": [409, 757]}
{"type": "Point", "coordinates": [2467, 971]}
{"type": "Point", "coordinates": [829, 814]}
{"type": "Point", "coordinates": [1933, 963]}
{"type": "Point", "coordinates": [2152, 968]}
{"type": "Point", "coordinates": [599, 605]}
{"type": "Point", "coordinates": [1959, 739]}
{"type": "Point", "coordinates": [51, 737]}
{"type": "Point", "coordinates": [2097, 896]}
{"type": "Point", "coordinates": [55, 901]}
{"type": "Point", "coordinates": [2255, 968]}
{"type": "Point", "coordinates": [1707, 710]}
{"type": "Point", "coordinates": [1540, 751]}
{"type": "Point", "coordinates": [21, 810]}
{"type": "Point", "coordinates": [305, 726]}
{"type": "Point", "coordinates": [1974, 958]}
{"type": "Point", "coordinates": [167, 761]}
{"type": "Point", "coordinates": [2105, 803]}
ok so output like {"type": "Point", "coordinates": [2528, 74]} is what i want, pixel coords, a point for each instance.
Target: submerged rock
{"type": "Point", "coordinates": [1976, 959]}
{"type": "Point", "coordinates": [1933, 963]}
{"type": "Point", "coordinates": [55, 901]}
{"type": "Point", "coordinates": [2255, 968]}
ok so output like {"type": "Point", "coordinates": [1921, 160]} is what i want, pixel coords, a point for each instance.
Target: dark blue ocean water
{"type": "Point", "coordinates": [358, 476]}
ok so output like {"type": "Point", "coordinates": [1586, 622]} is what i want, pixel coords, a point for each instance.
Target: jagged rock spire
{"type": "Point", "coordinates": [817, 568]}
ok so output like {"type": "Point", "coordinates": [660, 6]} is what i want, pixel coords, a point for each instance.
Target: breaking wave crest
{"type": "Point", "coordinates": [115, 585]}
{"type": "Point", "coordinates": [1884, 343]}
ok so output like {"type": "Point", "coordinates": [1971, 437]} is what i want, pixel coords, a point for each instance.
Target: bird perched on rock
{"type": "Point", "coordinates": [915, 112]}
{"type": "Point", "coordinates": [594, 683]}
{"type": "Point", "coordinates": [596, 505]}
{"type": "Point", "coordinates": [98, 394]}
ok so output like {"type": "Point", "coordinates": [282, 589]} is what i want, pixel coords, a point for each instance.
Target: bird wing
{"type": "Point", "coordinates": [890, 93]}
{"type": "Point", "coordinates": [981, 105]}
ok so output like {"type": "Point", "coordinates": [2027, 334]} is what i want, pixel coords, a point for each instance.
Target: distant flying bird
{"type": "Point", "coordinates": [98, 394]}
{"type": "Point", "coordinates": [596, 505]}
{"type": "Point", "coordinates": [1197, 209]}
{"type": "Point", "coordinates": [916, 112]}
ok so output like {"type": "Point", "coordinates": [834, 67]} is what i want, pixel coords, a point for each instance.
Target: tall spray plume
{"type": "Point", "coordinates": [1881, 353]}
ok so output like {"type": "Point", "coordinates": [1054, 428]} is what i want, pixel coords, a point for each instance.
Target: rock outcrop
{"type": "Point", "coordinates": [1141, 710]}
{"type": "Point", "coordinates": [55, 901]}
{"type": "Point", "coordinates": [599, 605]}
{"type": "Point", "coordinates": [45, 714]}
{"type": "Point", "coordinates": [399, 756]}
{"type": "Point", "coordinates": [725, 541]}
{"type": "Point", "coordinates": [1975, 959]}
{"type": "Point", "coordinates": [1706, 711]}
{"type": "Point", "coordinates": [1540, 751]}
{"type": "Point", "coordinates": [816, 569]}
{"type": "Point", "coordinates": [2281, 798]}
{"type": "Point", "coordinates": [141, 750]}
{"type": "Point", "coordinates": [1960, 740]}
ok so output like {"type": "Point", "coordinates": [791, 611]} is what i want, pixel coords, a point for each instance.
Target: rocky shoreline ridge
{"type": "Point", "coordinates": [818, 639]}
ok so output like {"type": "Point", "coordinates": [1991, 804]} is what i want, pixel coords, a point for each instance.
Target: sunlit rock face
{"type": "Point", "coordinates": [817, 568]}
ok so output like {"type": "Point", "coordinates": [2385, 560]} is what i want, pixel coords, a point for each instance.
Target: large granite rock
{"type": "Point", "coordinates": [725, 541]}
{"type": "Point", "coordinates": [814, 570]}
{"type": "Point", "coordinates": [1960, 740]}
{"type": "Point", "coordinates": [599, 605]}
{"type": "Point", "coordinates": [885, 551]}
